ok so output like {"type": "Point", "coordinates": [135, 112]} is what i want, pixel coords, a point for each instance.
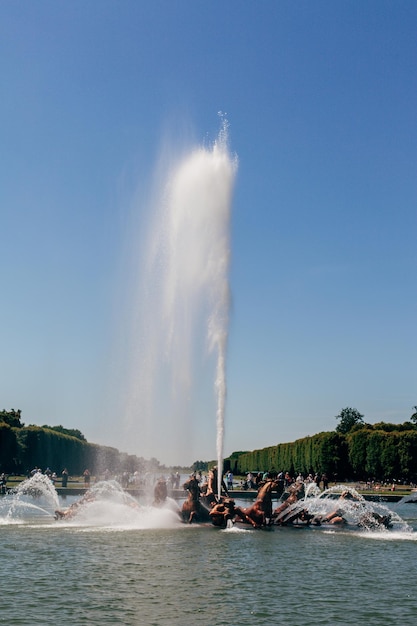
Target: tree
{"type": "Point", "coordinates": [72, 432]}
{"type": "Point", "coordinates": [348, 419]}
{"type": "Point", "coordinates": [12, 418]}
{"type": "Point", "coordinates": [413, 418]}
{"type": "Point", "coordinates": [198, 466]}
{"type": "Point", "coordinates": [357, 441]}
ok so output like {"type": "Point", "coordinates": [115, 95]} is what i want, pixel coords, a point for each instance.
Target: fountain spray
{"type": "Point", "coordinates": [183, 309]}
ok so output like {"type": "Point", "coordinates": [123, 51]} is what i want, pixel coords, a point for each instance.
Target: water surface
{"type": "Point", "coordinates": [153, 570]}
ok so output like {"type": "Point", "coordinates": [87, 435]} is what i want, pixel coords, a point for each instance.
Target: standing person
{"type": "Point", "coordinates": [3, 483]}
{"type": "Point", "coordinates": [64, 479]}
{"type": "Point", "coordinates": [250, 481]}
{"type": "Point", "coordinates": [325, 481]}
{"type": "Point", "coordinates": [212, 486]}
{"type": "Point", "coordinates": [287, 479]}
{"type": "Point", "coordinates": [229, 479]}
{"type": "Point", "coordinates": [87, 478]}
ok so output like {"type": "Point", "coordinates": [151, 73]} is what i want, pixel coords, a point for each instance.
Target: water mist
{"type": "Point", "coordinates": [182, 306]}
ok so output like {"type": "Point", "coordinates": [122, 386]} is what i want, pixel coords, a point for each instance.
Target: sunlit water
{"type": "Point", "coordinates": [119, 564]}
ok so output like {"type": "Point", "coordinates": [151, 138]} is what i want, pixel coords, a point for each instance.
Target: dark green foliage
{"type": "Point", "coordinates": [12, 418]}
{"type": "Point", "coordinates": [348, 419]}
{"type": "Point", "coordinates": [198, 466]}
{"type": "Point", "coordinates": [373, 466]}
{"type": "Point", "coordinates": [324, 452]}
{"type": "Point", "coordinates": [383, 454]}
{"type": "Point", "coordinates": [8, 447]}
{"type": "Point", "coordinates": [407, 454]}
{"type": "Point", "coordinates": [232, 462]}
{"type": "Point", "coordinates": [42, 447]}
{"type": "Point", "coordinates": [389, 455]}
{"type": "Point", "coordinates": [357, 442]}
{"type": "Point", "coordinates": [379, 451]}
{"type": "Point", "coordinates": [72, 432]}
{"type": "Point", "coordinates": [23, 448]}
{"type": "Point", "coordinates": [369, 452]}
{"type": "Point", "coordinates": [390, 428]}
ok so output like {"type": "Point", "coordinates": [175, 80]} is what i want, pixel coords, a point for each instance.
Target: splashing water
{"type": "Point", "coordinates": [182, 305]}
{"type": "Point", "coordinates": [34, 497]}
{"type": "Point", "coordinates": [107, 506]}
{"type": "Point", "coordinates": [356, 511]}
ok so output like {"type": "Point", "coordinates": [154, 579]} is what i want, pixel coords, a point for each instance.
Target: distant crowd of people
{"type": "Point", "coordinates": [136, 480]}
{"type": "Point", "coordinates": [253, 480]}
{"type": "Point", "coordinates": [126, 479]}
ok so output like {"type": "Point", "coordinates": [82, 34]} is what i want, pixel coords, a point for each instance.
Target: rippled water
{"type": "Point", "coordinates": [153, 570]}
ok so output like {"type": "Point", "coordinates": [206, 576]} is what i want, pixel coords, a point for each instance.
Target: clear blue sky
{"type": "Point", "coordinates": [321, 99]}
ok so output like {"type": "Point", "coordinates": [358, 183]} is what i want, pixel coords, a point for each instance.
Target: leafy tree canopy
{"type": "Point", "coordinates": [413, 418]}
{"type": "Point", "coordinates": [389, 428]}
{"type": "Point", "coordinates": [349, 418]}
{"type": "Point", "coordinates": [12, 418]}
{"type": "Point", "coordinates": [72, 432]}
{"type": "Point", "coordinates": [235, 455]}
{"type": "Point", "coordinates": [199, 466]}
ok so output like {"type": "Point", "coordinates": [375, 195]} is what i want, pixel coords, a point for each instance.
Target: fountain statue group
{"type": "Point", "coordinates": [203, 505]}
{"type": "Point", "coordinates": [297, 505]}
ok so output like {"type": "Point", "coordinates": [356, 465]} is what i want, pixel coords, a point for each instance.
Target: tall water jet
{"type": "Point", "coordinates": [183, 300]}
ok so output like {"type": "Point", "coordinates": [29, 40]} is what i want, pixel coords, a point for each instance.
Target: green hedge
{"type": "Point", "coordinates": [361, 454]}
{"type": "Point", "coordinates": [21, 449]}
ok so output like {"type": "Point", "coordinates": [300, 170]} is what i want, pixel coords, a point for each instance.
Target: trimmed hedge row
{"type": "Point", "coordinates": [361, 454]}
{"type": "Point", "coordinates": [21, 449]}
